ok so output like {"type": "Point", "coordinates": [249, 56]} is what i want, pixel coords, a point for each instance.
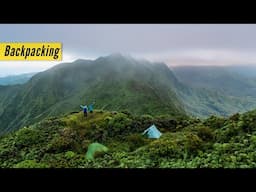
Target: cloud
{"type": "Point", "coordinates": [175, 44]}
{"type": "Point", "coordinates": [204, 57]}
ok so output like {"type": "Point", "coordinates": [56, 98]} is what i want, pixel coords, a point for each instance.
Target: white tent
{"type": "Point", "coordinates": [152, 132]}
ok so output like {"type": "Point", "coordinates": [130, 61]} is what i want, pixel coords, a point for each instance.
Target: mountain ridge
{"type": "Point", "coordinates": [16, 79]}
{"type": "Point", "coordinates": [116, 83]}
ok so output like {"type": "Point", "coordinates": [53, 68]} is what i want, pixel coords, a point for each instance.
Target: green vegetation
{"type": "Point", "coordinates": [41, 128]}
{"type": "Point", "coordinates": [204, 102]}
{"type": "Point", "coordinates": [114, 82]}
{"type": "Point", "coordinates": [114, 140]}
{"type": "Point", "coordinates": [213, 90]}
{"type": "Point", "coordinates": [119, 83]}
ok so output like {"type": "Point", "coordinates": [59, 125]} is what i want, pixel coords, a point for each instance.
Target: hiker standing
{"type": "Point", "coordinates": [84, 109]}
{"type": "Point", "coordinates": [91, 107]}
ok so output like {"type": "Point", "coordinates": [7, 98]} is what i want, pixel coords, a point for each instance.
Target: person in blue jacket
{"type": "Point", "coordinates": [91, 107]}
{"type": "Point", "coordinates": [84, 109]}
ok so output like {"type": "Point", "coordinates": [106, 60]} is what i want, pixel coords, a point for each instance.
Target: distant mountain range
{"type": "Point", "coordinates": [116, 82]}
{"type": "Point", "coordinates": [218, 90]}
{"type": "Point", "coordinates": [230, 80]}
{"type": "Point", "coordinates": [16, 79]}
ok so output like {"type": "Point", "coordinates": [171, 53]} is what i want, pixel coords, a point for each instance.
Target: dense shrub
{"type": "Point", "coordinates": [30, 164]}
{"type": "Point", "coordinates": [26, 137]}
{"type": "Point", "coordinates": [227, 132]}
{"type": "Point", "coordinates": [85, 145]}
{"type": "Point", "coordinates": [136, 140]}
{"type": "Point", "coordinates": [120, 124]}
{"type": "Point", "coordinates": [69, 154]}
{"type": "Point", "coordinates": [247, 122]}
{"type": "Point", "coordinates": [193, 143]}
{"type": "Point", "coordinates": [205, 133]}
{"type": "Point", "coordinates": [215, 122]}
{"type": "Point", "coordinates": [235, 117]}
{"type": "Point", "coordinates": [60, 144]}
{"type": "Point", "coordinates": [164, 148]}
{"type": "Point", "coordinates": [185, 143]}
{"type": "Point", "coordinates": [146, 117]}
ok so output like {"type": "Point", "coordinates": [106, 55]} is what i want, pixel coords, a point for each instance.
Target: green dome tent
{"type": "Point", "coordinates": [93, 149]}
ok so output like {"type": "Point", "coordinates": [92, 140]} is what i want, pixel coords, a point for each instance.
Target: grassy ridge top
{"type": "Point", "coordinates": [63, 142]}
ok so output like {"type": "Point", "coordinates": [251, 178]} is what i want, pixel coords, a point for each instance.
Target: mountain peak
{"type": "Point", "coordinates": [118, 55]}
{"type": "Point", "coordinates": [117, 58]}
{"type": "Point", "coordinates": [81, 60]}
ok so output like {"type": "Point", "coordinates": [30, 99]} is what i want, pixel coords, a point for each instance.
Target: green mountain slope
{"type": "Point", "coordinates": [203, 102]}
{"type": "Point", "coordinates": [227, 80]}
{"type": "Point", "coordinates": [16, 79]}
{"type": "Point", "coordinates": [215, 90]}
{"type": "Point", "coordinates": [7, 94]}
{"type": "Point", "coordinates": [115, 82]}
{"type": "Point", "coordinates": [185, 143]}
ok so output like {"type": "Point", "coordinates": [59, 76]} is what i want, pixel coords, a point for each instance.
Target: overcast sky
{"type": "Point", "coordinates": [174, 44]}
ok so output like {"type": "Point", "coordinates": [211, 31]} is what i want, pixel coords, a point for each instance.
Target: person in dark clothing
{"type": "Point", "coordinates": [84, 109]}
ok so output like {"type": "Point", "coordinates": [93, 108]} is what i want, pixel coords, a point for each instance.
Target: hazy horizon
{"type": "Point", "coordinates": [173, 44]}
